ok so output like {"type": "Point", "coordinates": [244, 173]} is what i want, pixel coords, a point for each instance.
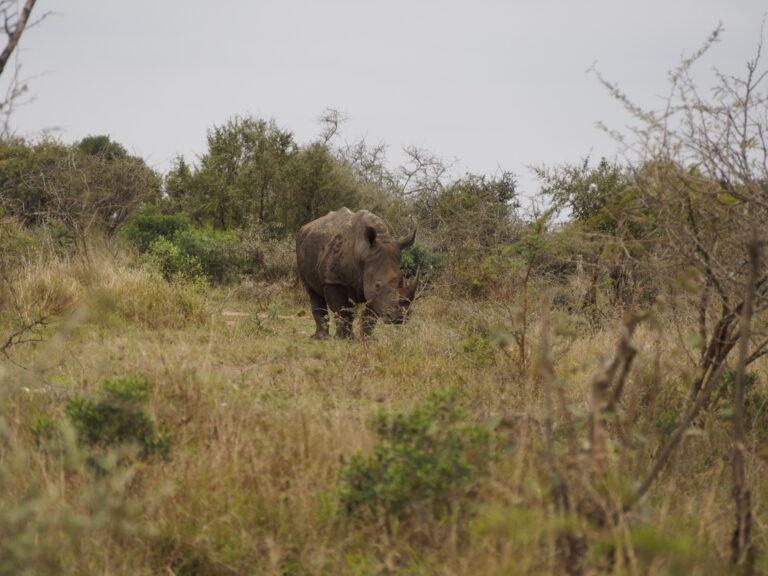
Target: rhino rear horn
{"type": "Point", "coordinates": [408, 240]}
{"type": "Point", "coordinates": [409, 290]}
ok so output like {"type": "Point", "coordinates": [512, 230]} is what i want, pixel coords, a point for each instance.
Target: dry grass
{"type": "Point", "coordinates": [263, 420]}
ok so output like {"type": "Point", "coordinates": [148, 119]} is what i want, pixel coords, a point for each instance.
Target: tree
{"type": "Point", "coordinates": [50, 182]}
{"type": "Point", "coordinates": [240, 178]}
{"type": "Point", "coordinates": [15, 23]}
{"type": "Point", "coordinates": [102, 146]}
{"type": "Point", "coordinates": [470, 221]}
{"type": "Point", "coordinates": [601, 235]}
{"type": "Point", "coordinates": [316, 183]}
{"type": "Point", "coordinates": [475, 210]}
{"type": "Point", "coordinates": [591, 195]}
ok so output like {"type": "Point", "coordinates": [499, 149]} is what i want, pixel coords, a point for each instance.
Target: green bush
{"type": "Point", "coordinates": [418, 257]}
{"type": "Point", "coordinates": [172, 262]}
{"type": "Point", "coordinates": [425, 463]}
{"type": "Point", "coordinates": [116, 418]}
{"type": "Point", "coordinates": [755, 401]}
{"type": "Point", "coordinates": [149, 225]}
{"type": "Point", "coordinates": [218, 253]}
{"type": "Point", "coordinates": [180, 250]}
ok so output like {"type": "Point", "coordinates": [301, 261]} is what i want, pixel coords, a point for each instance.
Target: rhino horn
{"type": "Point", "coordinates": [409, 289]}
{"type": "Point", "coordinates": [408, 240]}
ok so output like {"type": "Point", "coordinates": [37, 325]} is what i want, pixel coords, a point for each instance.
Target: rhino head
{"type": "Point", "coordinates": [387, 292]}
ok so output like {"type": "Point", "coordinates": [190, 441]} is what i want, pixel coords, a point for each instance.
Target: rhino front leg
{"type": "Point", "coordinates": [340, 305]}
{"type": "Point", "coordinates": [344, 320]}
{"type": "Point", "coordinates": [369, 321]}
{"type": "Point", "coordinates": [320, 314]}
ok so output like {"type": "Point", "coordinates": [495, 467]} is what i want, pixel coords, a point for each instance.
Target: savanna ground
{"type": "Point", "coordinates": [263, 430]}
{"type": "Point", "coordinates": [577, 396]}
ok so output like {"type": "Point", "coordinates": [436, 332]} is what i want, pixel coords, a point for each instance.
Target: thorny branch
{"type": "Point", "coordinates": [29, 332]}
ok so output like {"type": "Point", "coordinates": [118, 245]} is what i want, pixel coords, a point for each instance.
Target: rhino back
{"type": "Point", "coordinates": [325, 250]}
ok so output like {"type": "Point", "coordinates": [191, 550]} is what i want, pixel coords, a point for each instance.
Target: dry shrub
{"type": "Point", "coordinates": [267, 258]}
{"type": "Point", "coordinates": [45, 287]}
{"type": "Point", "coordinates": [143, 297]}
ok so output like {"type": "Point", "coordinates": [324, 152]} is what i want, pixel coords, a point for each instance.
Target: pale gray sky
{"type": "Point", "coordinates": [493, 84]}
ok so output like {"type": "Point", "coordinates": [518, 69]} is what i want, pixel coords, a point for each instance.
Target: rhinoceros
{"type": "Point", "coordinates": [347, 258]}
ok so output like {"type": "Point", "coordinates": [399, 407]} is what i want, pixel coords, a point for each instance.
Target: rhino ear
{"type": "Point", "coordinates": [370, 235]}
{"type": "Point", "coordinates": [408, 240]}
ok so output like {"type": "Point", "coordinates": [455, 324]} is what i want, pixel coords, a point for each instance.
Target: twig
{"type": "Point", "coordinates": [18, 337]}
{"type": "Point", "coordinates": [740, 544]}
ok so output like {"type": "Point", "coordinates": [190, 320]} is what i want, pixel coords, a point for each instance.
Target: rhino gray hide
{"type": "Point", "coordinates": [346, 258]}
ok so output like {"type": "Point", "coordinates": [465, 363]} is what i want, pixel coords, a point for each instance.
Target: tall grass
{"type": "Point", "coordinates": [264, 421]}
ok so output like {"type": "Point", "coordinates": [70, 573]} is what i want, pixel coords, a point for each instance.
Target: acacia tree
{"type": "Point", "coordinates": [594, 198]}
{"type": "Point", "coordinates": [700, 183]}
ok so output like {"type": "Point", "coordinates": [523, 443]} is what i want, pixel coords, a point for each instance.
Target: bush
{"type": "Point", "coordinates": [218, 253]}
{"type": "Point", "coordinates": [425, 462]}
{"type": "Point", "coordinates": [755, 401]}
{"type": "Point", "coordinates": [144, 298]}
{"type": "Point", "coordinates": [116, 418]}
{"type": "Point", "coordinates": [168, 258]}
{"type": "Point", "coordinates": [180, 250]}
{"type": "Point", "coordinates": [149, 225]}
{"type": "Point", "coordinates": [418, 257]}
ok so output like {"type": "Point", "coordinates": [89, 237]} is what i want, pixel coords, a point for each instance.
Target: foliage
{"type": "Point", "coordinates": [86, 191]}
{"type": "Point", "coordinates": [172, 262]}
{"type": "Point", "coordinates": [419, 257]}
{"type": "Point", "coordinates": [149, 224]}
{"type": "Point", "coordinates": [593, 196]}
{"type": "Point", "coordinates": [425, 462]}
{"type": "Point", "coordinates": [102, 146]}
{"type": "Point", "coordinates": [254, 174]}
{"type": "Point", "coordinates": [755, 402]}
{"type": "Point", "coordinates": [116, 417]}
{"type": "Point", "coordinates": [180, 250]}
{"type": "Point", "coordinates": [467, 223]}
{"type": "Point", "coordinates": [15, 242]}
{"type": "Point", "coordinates": [239, 181]}
{"type": "Point", "coordinates": [218, 253]}
{"type": "Point", "coordinates": [608, 237]}
{"type": "Point", "coordinates": [316, 184]}
{"type": "Point", "coordinates": [474, 212]}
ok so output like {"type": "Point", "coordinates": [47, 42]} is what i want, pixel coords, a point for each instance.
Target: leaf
{"type": "Point", "coordinates": [693, 340]}
{"type": "Point", "coordinates": [726, 198]}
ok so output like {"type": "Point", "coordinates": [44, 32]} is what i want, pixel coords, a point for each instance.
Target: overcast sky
{"type": "Point", "coordinates": [492, 84]}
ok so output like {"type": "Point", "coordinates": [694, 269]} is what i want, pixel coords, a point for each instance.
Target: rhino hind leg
{"type": "Point", "coordinates": [320, 314]}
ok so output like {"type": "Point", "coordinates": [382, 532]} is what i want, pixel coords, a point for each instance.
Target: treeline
{"type": "Point", "coordinates": [254, 185]}
{"type": "Point", "coordinates": [239, 205]}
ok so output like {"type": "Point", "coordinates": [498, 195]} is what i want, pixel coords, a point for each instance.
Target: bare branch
{"type": "Point", "coordinates": [331, 120]}
{"type": "Point", "coordinates": [14, 31]}
{"type": "Point", "coordinates": [740, 544]}
{"type": "Point", "coordinates": [24, 335]}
